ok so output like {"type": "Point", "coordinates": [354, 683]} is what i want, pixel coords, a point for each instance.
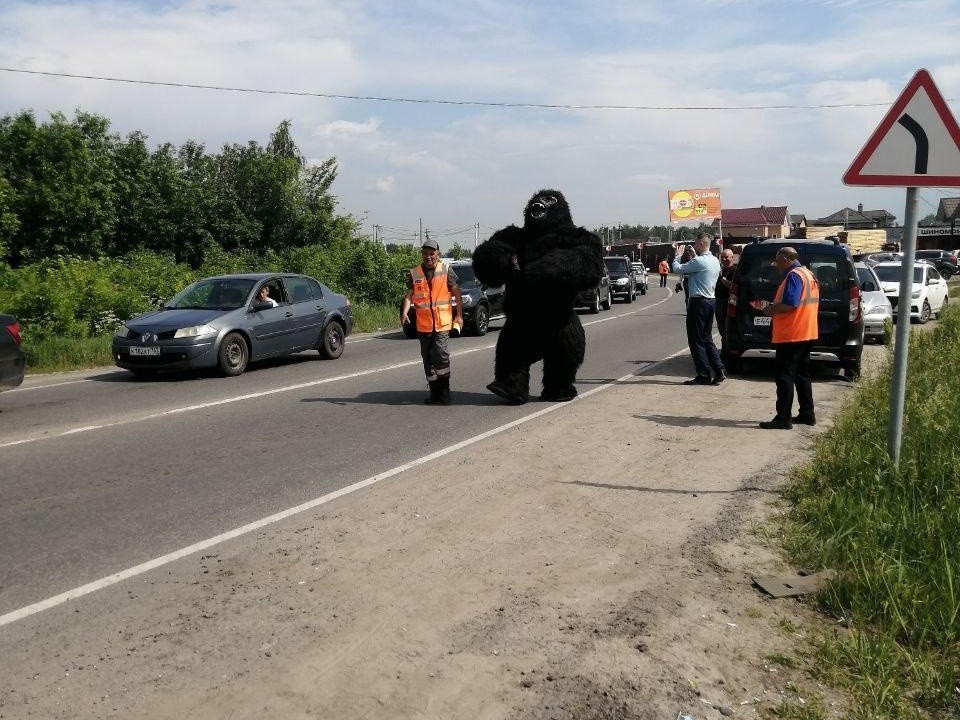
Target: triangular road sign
{"type": "Point", "coordinates": [916, 145]}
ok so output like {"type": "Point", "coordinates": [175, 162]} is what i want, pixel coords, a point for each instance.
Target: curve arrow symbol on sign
{"type": "Point", "coordinates": [923, 145]}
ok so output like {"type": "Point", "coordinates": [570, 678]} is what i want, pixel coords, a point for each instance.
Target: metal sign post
{"type": "Point", "coordinates": [898, 385]}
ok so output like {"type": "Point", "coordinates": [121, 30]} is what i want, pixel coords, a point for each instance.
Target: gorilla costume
{"type": "Point", "coordinates": [544, 265]}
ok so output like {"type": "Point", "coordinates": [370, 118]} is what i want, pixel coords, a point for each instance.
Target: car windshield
{"type": "Point", "coordinates": [212, 294]}
{"type": "Point", "coordinates": [927, 254]}
{"type": "Point", "coordinates": [831, 271]}
{"type": "Point", "coordinates": [464, 273]}
{"type": "Point", "coordinates": [891, 273]}
{"type": "Point", "coordinates": [864, 275]}
{"type": "Point", "coordinates": [617, 265]}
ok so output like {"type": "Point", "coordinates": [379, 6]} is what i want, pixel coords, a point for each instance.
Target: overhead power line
{"type": "Point", "coordinates": [434, 101]}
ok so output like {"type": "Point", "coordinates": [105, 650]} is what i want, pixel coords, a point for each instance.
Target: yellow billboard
{"type": "Point", "coordinates": [697, 204]}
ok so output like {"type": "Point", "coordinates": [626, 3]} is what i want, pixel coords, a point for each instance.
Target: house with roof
{"type": "Point", "coordinates": [763, 222]}
{"type": "Point", "coordinates": [798, 225]}
{"type": "Point", "coordinates": [859, 219]}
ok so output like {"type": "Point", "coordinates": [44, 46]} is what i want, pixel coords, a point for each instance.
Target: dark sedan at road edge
{"type": "Point", "coordinates": [11, 355]}
{"type": "Point", "coordinates": [221, 322]}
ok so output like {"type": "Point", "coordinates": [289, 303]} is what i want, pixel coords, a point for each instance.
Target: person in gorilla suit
{"type": "Point", "coordinates": [544, 265]}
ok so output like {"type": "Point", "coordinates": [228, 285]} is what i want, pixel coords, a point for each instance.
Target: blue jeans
{"type": "Point", "coordinates": [706, 357]}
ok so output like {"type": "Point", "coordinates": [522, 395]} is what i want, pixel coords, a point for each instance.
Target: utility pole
{"type": "Point", "coordinates": [476, 236]}
{"type": "Point", "coordinates": [420, 233]}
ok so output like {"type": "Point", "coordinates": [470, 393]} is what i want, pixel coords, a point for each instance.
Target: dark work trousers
{"type": "Point", "coordinates": [436, 358]}
{"type": "Point", "coordinates": [720, 314]}
{"type": "Point", "coordinates": [663, 280]}
{"type": "Point", "coordinates": [706, 357]}
{"type": "Point", "coordinates": [793, 369]}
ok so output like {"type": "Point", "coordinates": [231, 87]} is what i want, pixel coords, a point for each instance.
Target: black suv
{"type": "Point", "coordinates": [840, 319]}
{"type": "Point", "coordinates": [944, 261]}
{"type": "Point", "coordinates": [11, 356]}
{"type": "Point", "coordinates": [481, 304]}
{"type": "Point", "coordinates": [622, 280]}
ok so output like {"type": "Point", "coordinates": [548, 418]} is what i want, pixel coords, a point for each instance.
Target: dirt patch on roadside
{"type": "Point", "coordinates": [593, 563]}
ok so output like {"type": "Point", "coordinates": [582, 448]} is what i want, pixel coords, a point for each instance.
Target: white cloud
{"type": "Point", "coordinates": [386, 185]}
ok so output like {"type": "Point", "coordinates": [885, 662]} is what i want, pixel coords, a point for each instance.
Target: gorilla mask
{"type": "Point", "coordinates": [547, 208]}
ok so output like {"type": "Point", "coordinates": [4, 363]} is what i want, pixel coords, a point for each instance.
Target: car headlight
{"type": "Point", "coordinates": [622, 281]}
{"type": "Point", "coordinates": [467, 300]}
{"type": "Point", "coordinates": [122, 331]}
{"type": "Point", "coordinates": [916, 294]}
{"type": "Point", "coordinates": [195, 331]}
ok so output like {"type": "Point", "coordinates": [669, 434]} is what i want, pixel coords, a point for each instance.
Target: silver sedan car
{"type": "Point", "coordinates": [229, 321]}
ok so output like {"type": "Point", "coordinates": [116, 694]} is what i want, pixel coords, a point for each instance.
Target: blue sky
{"type": "Point", "coordinates": [454, 166]}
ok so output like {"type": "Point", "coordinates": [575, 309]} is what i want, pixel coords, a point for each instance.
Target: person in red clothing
{"type": "Point", "coordinates": [793, 314]}
{"type": "Point", "coordinates": [664, 270]}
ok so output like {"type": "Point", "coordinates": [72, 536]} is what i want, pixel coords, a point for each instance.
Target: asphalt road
{"type": "Point", "coordinates": [100, 471]}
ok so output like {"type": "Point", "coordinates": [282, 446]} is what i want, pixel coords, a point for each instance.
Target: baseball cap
{"type": "Point", "coordinates": [432, 244]}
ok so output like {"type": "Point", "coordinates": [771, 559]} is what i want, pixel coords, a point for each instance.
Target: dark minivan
{"type": "Point", "coordinates": [840, 318]}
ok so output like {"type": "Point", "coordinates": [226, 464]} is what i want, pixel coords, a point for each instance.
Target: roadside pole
{"type": "Point", "coordinates": [901, 348]}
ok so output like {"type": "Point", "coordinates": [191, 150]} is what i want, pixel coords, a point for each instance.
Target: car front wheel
{"type": "Point", "coordinates": [631, 295]}
{"type": "Point", "coordinates": [331, 346]}
{"type": "Point", "coordinates": [595, 306]}
{"type": "Point", "coordinates": [482, 321]}
{"type": "Point", "coordinates": [233, 355]}
{"type": "Point", "coordinates": [925, 313]}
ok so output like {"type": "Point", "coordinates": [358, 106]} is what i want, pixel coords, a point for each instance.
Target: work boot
{"type": "Point", "coordinates": [805, 419]}
{"type": "Point", "coordinates": [778, 423]}
{"type": "Point", "coordinates": [444, 393]}
{"type": "Point", "coordinates": [434, 398]}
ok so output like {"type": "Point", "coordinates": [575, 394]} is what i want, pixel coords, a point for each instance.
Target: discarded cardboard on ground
{"type": "Point", "coordinates": [792, 585]}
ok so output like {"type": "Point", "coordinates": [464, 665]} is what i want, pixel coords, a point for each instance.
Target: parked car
{"type": "Point", "coordinates": [598, 297]}
{"type": "Point", "coordinates": [12, 361]}
{"type": "Point", "coordinates": [929, 295]}
{"type": "Point", "coordinates": [874, 258]}
{"type": "Point", "coordinates": [622, 283]}
{"type": "Point", "coordinates": [220, 322]}
{"type": "Point", "coordinates": [640, 277]}
{"type": "Point", "coordinates": [877, 310]}
{"type": "Point", "coordinates": [481, 304]}
{"type": "Point", "coordinates": [944, 260]}
{"type": "Point", "coordinates": [840, 317]}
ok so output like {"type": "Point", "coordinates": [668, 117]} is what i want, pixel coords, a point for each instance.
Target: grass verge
{"type": "Point", "coordinates": [891, 534]}
{"type": "Point", "coordinates": [57, 354]}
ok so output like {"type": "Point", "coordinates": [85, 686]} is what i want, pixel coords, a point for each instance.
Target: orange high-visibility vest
{"type": "Point", "coordinates": [433, 300]}
{"type": "Point", "coordinates": [664, 267]}
{"type": "Point", "coordinates": [800, 323]}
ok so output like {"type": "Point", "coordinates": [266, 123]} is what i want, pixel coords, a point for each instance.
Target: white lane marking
{"type": "Point", "coordinates": [54, 601]}
{"type": "Point", "coordinates": [263, 393]}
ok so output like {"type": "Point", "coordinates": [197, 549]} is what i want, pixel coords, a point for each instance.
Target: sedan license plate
{"type": "Point", "coordinates": [145, 350]}
{"type": "Point", "coordinates": [762, 320]}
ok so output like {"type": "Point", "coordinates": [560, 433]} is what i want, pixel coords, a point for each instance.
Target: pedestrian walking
{"type": "Point", "coordinates": [701, 273]}
{"type": "Point", "coordinates": [664, 269]}
{"type": "Point", "coordinates": [793, 314]}
{"type": "Point", "coordinates": [431, 289]}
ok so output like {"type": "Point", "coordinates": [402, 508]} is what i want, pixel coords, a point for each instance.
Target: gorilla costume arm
{"type": "Point", "coordinates": [493, 258]}
{"type": "Point", "coordinates": [575, 261]}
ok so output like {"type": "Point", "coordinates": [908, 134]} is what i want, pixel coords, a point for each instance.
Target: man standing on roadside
{"type": "Point", "coordinates": [431, 288]}
{"type": "Point", "coordinates": [793, 314]}
{"type": "Point", "coordinates": [701, 273]}
{"type": "Point", "coordinates": [664, 270]}
{"type": "Point", "coordinates": [722, 295]}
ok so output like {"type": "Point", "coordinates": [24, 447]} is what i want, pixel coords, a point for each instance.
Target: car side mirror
{"type": "Point", "coordinates": [259, 307]}
{"type": "Point", "coordinates": [867, 286]}
{"type": "Point", "coordinates": [931, 281]}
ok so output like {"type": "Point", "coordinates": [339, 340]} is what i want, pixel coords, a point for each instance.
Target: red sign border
{"type": "Point", "coordinates": [921, 79]}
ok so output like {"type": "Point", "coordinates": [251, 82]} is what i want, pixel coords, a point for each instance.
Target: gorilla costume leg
{"type": "Point", "coordinates": [561, 360]}
{"type": "Point", "coordinates": [515, 353]}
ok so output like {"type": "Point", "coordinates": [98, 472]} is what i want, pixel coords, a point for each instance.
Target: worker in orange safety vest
{"type": "Point", "coordinates": [793, 314]}
{"type": "Point", "coordinates": [434, 294]}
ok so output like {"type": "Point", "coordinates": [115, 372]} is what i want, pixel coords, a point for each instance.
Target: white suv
{"type": "Point", "coordinates": [929, 296]}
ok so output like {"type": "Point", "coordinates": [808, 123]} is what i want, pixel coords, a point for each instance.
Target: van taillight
{"type": "Point", "coordinates": [854, 303]}
{"type": "Point", "coordinates": [15, 331]}
{"type": "Point", "coordinates": [732, 302]}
